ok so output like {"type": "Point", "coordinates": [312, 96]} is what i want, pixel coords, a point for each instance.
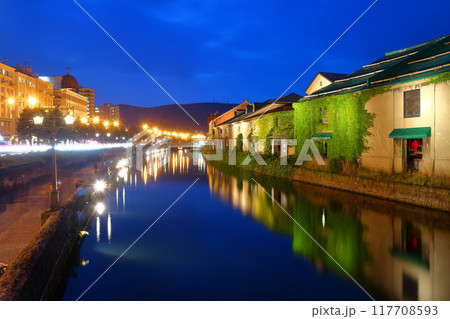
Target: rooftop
{"type": "Point", "coordinates": [419, 61]}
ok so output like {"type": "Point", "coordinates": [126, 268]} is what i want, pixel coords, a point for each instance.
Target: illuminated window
{"type": "Point", "coordinates": [411, 103]}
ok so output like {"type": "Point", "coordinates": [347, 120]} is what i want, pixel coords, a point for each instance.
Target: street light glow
{"type": "Point", "coordinates": [100, 208]}
{"type": "Point", "coordinates": [100, 186]}
{"type": "Point", "coordinates": [10, 100]}
{"type": "Point", "coordinates": [69, 119]}
{"type": "Point", "coordinates": [32, 101]}
{"type": "Point", "coordinates": [38, 119]}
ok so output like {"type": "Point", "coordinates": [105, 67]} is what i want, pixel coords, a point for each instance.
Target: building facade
{"type": "Point", "coordinates": [256, 122]}
{"type": "Point", "coordinates": [20, 88]}
{"type": "Point", "coordinates": [408, 93]}
{"type": "Point", "coordinates": [92, 111]}
{"type": "Point", "coordinates": [70, 102]}
{"type": "Point", "coordinates": [109, 112]}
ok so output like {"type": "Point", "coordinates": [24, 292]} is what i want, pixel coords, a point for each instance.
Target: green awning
{"type": "Point", "coordinates": [322, 135]}
{"type": "Point", "coordinates": [406, 133]}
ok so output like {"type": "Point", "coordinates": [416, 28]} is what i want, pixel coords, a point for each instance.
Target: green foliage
{"type": "Point", "coordinates": [268, 142]}
{"type": "Point", "coordinates": [335, 165]}
{"type": "Point", "coordinates": [25, 125]}
{"type": "Point", "coordinates": [250, 135]}
{"type": "Point", "coordinates": [75, 132]}
{"type": "Point", "coordinates": [439, 78]}
{"type": "Point", "coordinates": [345, 116]}
{"type": "Point", "coordinates": [280, 122]}
{"type": "Point", "coordinates": [239, 142]}
{"type": "Point", "coordinates": [273, 166]}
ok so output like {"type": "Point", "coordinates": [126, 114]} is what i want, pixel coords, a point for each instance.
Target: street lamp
{"type": "Point", "coordinates": [54, 194]}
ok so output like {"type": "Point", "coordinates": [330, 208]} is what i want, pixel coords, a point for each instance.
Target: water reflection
{"type": "Point", "coordinates": [395, 251]}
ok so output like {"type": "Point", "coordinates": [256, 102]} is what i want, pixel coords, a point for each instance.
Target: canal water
{"type": "Point", "coordinates": [230, 238]}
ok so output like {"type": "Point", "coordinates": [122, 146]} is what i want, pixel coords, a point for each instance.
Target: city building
{"type": "Point", "coordinates": [271, 119]}
{"type": "Point", "coordinates": [20, 88]}
{"type": "Point", "coordinates": [68, 95]}
{"type": "Point", "coordinates": [109, 112]}
{"type": "Point", "coordinates": [70, 102]}
{"type": "Point", "coordinates": [92, 111]}
{"type": "Point", "coordinates": [407, 92]}
{"type": "Point", "coordinates": [218, 128]}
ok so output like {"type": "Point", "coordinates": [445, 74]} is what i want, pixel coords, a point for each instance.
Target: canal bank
{"type": "Point", "coordinates": [424, 196]}
{"type": "Point", "coordinates": [38, 166]}
{"type": "Point", "coordinates": [37, 255]}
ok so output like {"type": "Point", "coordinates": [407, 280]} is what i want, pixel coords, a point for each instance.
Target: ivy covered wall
{"type": "Point", "coordinates": [281, 123]}
{"type": "Point", "coordinates": [344, 115]}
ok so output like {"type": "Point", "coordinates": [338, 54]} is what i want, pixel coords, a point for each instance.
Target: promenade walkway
{"type": "Point", "coordinates": [20, 211]}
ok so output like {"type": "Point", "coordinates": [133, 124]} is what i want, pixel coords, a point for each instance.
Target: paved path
{"type": "Point", "coordinates": [20, 211]}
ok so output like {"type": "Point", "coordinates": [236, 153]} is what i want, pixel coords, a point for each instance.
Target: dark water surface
{"type": "Point", "coordinates": [227, 239]}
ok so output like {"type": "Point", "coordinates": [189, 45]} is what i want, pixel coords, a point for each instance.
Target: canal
{"type": "Point", "coordinates": [229, 238]}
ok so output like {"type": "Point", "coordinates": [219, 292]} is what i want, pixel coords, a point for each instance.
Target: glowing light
{"type": "Point", "coordinates": [69, 119]}
{"type": "Point", "coordinates": [83, 233]}
{"type": "Point", "coordinates": [116, 123]}
{"type": "Point", "coordinates": [122, 163]}
{"type": "Point", "coordinates": [100, 208]}
{"type": "Point", "coordinates": [84, 120]}
{"type": "Point", "coordinates": [109, 227]}
{"type": "Point", "coordinates": [10, 100]}
{"type": "Point", "coordinates": [97, 229]}
{"type": "Point", "coordinates": [323, 217]}
{"type": "Point", "coordinates": [38, 119]}
{"type": "Point", "coordinates": [106, 123]}
{"type": "Point", "coordinates": [108, 134]}
{"type": "Point", "coordinates": [32, 101]}
{"type": "Point", "coordinates": [96, 120]}
{"type": "Point", "coordinates": [100, 186]}
{"type": "Point", "coordinates": [145, 126]}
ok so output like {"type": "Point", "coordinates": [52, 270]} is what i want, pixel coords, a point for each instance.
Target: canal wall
{"type": "Point", "coordinates": [40, 269]}
{"type": "Point", "coordinates": [12, 178]}
{"type": "Point", "coordinates": [423, 196]}
{"type": "Point", "coordinates": [429, 197]}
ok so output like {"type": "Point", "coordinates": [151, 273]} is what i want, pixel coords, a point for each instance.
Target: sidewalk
{"type": "Point", "coordinates": [20, 212]}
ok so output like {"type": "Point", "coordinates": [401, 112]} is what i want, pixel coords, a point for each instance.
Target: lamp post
{"type": "Point", "coordinates": [54, 194]}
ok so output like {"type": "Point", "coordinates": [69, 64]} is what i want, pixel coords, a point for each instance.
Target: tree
{"type": "Point", "coordinates": [25, 125]}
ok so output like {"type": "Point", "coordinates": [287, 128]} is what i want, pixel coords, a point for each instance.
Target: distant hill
{"type": "Point", "coordinates": [172, 117]}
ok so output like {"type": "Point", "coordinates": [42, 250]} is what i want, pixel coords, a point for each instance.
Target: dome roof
{"type": "Point", "coordinates": [69, 82]}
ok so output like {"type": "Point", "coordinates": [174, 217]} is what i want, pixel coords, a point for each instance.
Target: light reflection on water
{"type": "Point", "coordinates": [395, 251]}
{"type": "Point", "coordinates": [380, 243]}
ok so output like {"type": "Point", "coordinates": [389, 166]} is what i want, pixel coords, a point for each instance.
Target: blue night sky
{"type": "Point", "coordinates": [205, 50]}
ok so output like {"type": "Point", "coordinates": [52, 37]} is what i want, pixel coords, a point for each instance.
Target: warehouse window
{"type": "Point", "coordinates": [411, 103]}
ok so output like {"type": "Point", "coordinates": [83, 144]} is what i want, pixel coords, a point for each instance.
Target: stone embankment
{"type": "Point", "coordinates": [429, 197]}
{"type": "Point", "coordinates": [38, 270]}
{"type": "Point", "coordinates": [12, 178]}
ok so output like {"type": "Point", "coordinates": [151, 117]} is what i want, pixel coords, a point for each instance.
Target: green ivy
{"type": "Point", "coordinates": [279, 122]}
{"type": "Point", "coordinates": [239, 142]}
{"type": "Point", "coordinates": [440, 78]}
{"type": "Point", "coordinates": [347, 119]}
